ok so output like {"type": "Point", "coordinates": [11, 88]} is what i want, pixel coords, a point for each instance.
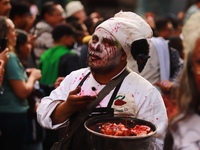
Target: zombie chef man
{"type": "Point", "coordinates": [112, 42]}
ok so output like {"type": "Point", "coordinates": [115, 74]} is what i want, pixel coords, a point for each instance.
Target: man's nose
{"type": "Point", "coordinates": [97, 47]}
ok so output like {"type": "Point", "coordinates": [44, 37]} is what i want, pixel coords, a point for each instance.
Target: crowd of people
{"type": "Point", "coordinates": [45, 54]}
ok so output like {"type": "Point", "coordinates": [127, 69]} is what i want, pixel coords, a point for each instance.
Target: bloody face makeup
{"type": "Point", "coordinates": [104, 50]}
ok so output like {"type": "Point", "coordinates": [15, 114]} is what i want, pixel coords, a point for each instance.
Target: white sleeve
{"type": "Point", "coordinates": [49, 103]}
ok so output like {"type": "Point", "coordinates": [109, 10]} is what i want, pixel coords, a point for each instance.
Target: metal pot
{"type": "Point", "coordinates": [98, 141]}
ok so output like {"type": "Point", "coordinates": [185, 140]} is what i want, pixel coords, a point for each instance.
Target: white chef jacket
{"type": "Point", "coordinates": [142, 100]}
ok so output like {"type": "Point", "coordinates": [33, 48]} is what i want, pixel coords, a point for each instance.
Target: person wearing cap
{"type": "Point", "coordinates": [51, 15]}
{"type": "Point", "coordinates": [76, 9]}
{"type": "Point", "coordinates": [49, 64]}
{"type": "Point", "coordinates": [112, 42]}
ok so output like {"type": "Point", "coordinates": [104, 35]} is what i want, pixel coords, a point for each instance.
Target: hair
{"type": "Point", "coordinates": [19, 8]}
{"type": "Point", "coordinates": [21, 39]}
{"type": "Point", "coordinates": [161, 23]}
{"type": "Point", "coordinates": [60, 30]}
{"type": "Point", "coordinates": [139, 47]}
{"type": "Point", "coordinates": [3, 27]}
{"type": "Point", "coordinates": [140, 51]}
{"type": "Point", "coordinates": [187, 94]}
{"type": "Point", "coordinates": [47, 8]}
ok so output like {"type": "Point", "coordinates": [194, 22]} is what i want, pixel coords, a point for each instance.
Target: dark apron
{"type": "Point", "coordinates": [79, 139]}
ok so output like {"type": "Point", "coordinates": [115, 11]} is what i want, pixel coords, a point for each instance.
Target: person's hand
{"type": "Point", "coordinates": [78, 102]}
{"type": "Point", "coordinates": [58, 81]}
{"type": "Point", "coordinates": [165, 85]}
{"type": "Point", "coordinates": [74, 102]}
{"type": "Point", "coordinates": [4, 56]}
{"type": "Point", "coordinates": [2, 70]}
{"type": "Point", "coordinates": [34, 73]}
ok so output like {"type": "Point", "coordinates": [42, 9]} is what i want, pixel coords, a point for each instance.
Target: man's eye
{"type": "Point", "coordinates": [108, 43]}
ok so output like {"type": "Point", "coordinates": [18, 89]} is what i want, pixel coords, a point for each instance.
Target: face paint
{"type": "Point", "coordinates": [117, 44]}
{"type": "Point", "coordinates": [104, 50]}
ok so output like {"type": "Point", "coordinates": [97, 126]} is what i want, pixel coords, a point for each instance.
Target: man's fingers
{"type": "Point", "coordinates": [76, 91]}
{"type": "Point", "coordinates": [83, 98]}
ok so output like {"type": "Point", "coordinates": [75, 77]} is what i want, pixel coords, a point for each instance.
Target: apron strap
{"type": "Point", "coordinates": [83, 80]}
{"type": "Point", "coordinates": [114, 94]}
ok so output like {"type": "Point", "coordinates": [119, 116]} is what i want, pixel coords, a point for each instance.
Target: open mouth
{"type": "Point", "coordinates": [94, 57]}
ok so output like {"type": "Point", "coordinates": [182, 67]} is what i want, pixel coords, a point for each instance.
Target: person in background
{"type": "Point", "coordinates": [5, 8]}
{"type": "Point", "coordinates": [3, 60]}
{"type": "Point", "coordinates": [76, 9]}
{"type": "Point", "coordinates": [51, 15]}
{"type": "Point", "coordinates": [195, 7]}
{"type": "Point", "coordinates": [2, 70]}
{"type": "Point", "coordinates": [150, 19]}
{"type": "Point", "coordinates": [83, 31]}
{"type": "Point", "coordinates": [164, 28]}
{"type": "Point", "coordinates": [19, 14]}
{"type": "Point", "coordinates": [95, 16]}
{"type": "Point", "coordinates": [57, 61]}
{"type": "Point", "coordinates": [17, 87]}
{"type": "Point", "coordinates": [35, 133]}
{"type": "Point", "coordinates": [158, 68]}
{"type": "Point", "coordinates": [183, 130]}
{"type": "Point", "coordinates": [51, 62]}
{"type": "Point", "coordinates": [107, 58]}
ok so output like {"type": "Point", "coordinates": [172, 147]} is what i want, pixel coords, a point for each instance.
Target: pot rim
{"type": "Point", "coordinates": [122, 137]}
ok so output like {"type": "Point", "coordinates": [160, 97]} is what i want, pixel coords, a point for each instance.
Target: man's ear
{"type": "Point", "coordinates": [124, 56]}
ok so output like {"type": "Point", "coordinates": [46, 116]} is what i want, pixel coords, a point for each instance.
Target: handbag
{"type": "Point", "coordinates": [64, 143]}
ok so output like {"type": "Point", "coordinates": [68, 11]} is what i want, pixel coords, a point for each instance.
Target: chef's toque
{"type": "Point", "coordinates": [127, 27]}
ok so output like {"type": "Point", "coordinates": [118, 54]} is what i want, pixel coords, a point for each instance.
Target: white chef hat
{"type": "Point", "coordinates": [127, 27]}
{"type": "Point", "coordinates": [73, 7]}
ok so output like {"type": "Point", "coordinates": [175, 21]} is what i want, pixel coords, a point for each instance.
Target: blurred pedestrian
{"type": "Point", "coordinates": [184, 131]}
{"type": "Point", "coordinates": [76, 9]}
{"type": "Point", "coordinates": [17, 87]}
{"type": "Point", "coordinates": [5, 8]}
{"type": "Point", "coordinates": [51, 15]}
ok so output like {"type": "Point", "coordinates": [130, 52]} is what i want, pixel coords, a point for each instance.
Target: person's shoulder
{"type": "Point", "coordinates": [12, 54]}
{"type": "Point", "coordinates": [69, 54]}
{"type": "Point", "coordinates": [46, 53]}
{"type": "Point", "coordinates": [43, 27]}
